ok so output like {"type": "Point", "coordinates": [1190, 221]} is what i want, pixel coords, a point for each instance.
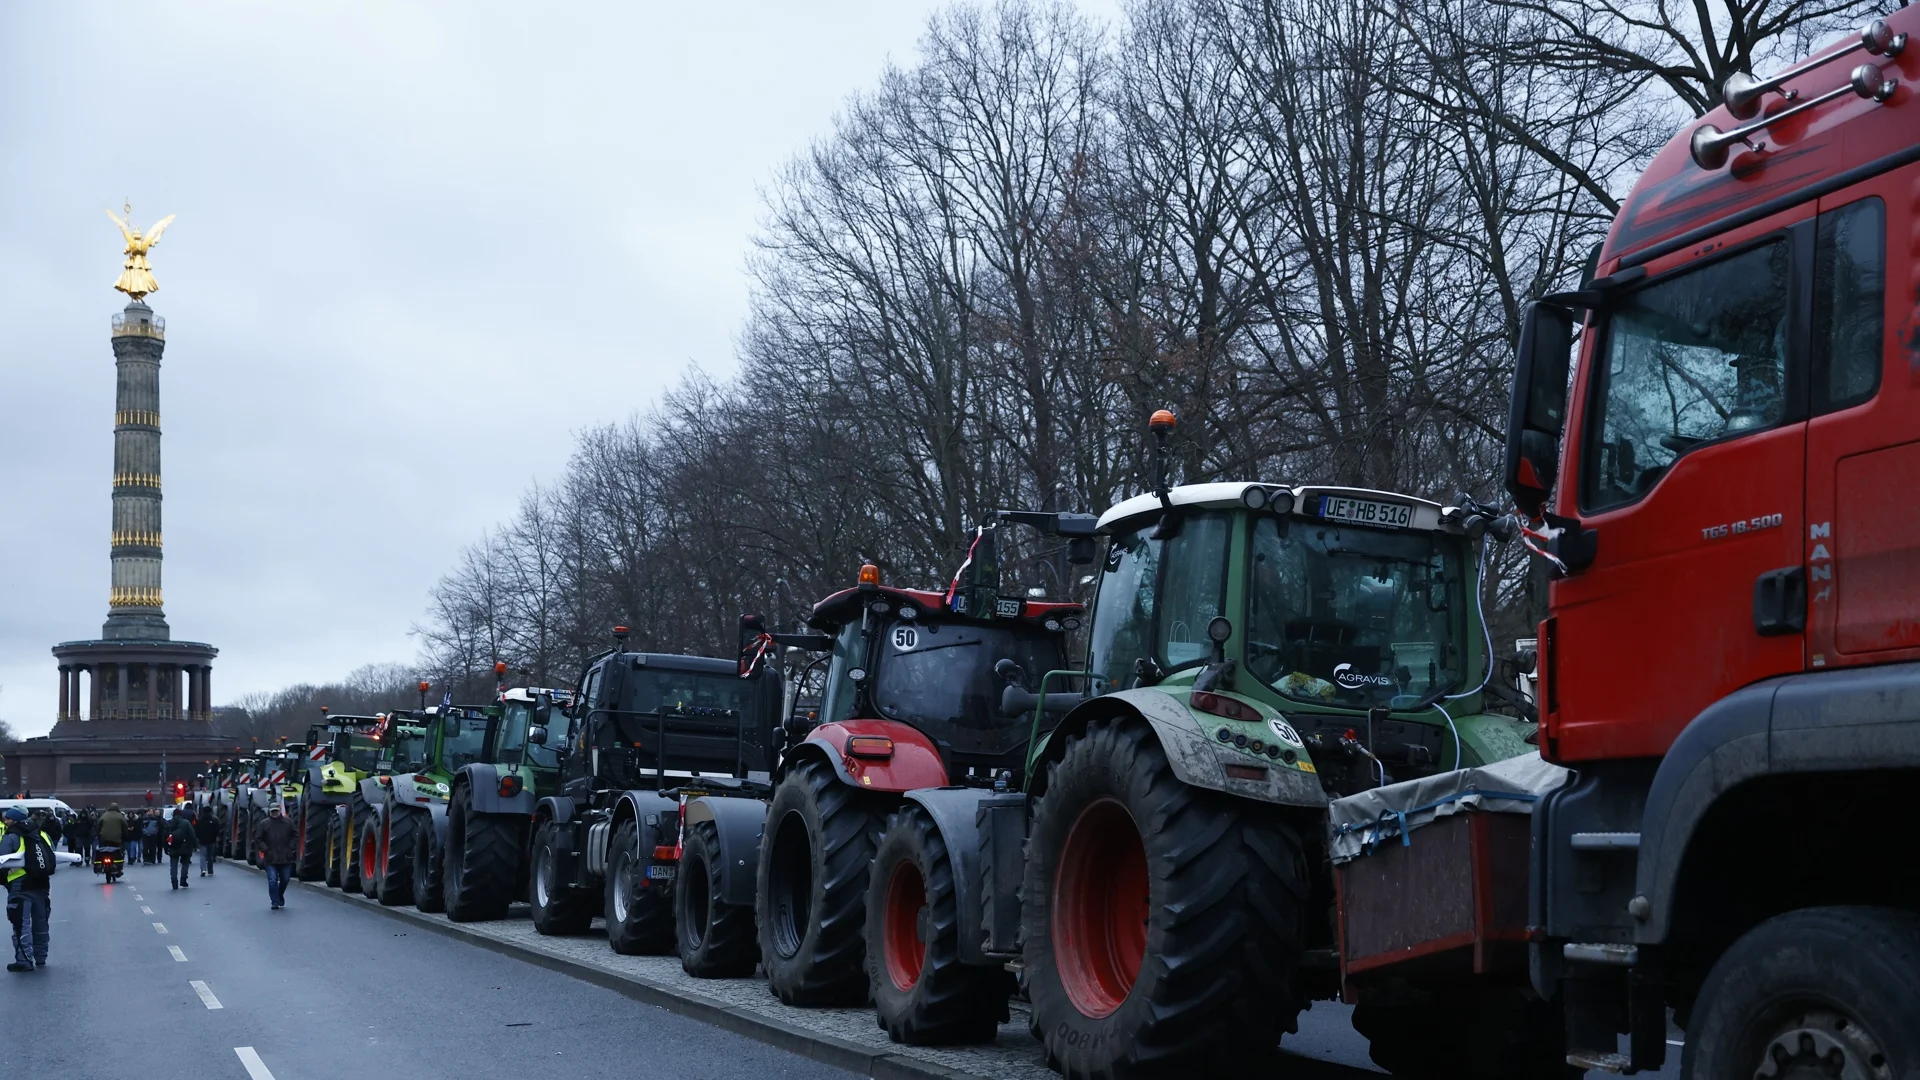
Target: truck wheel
{"type": "Point", "coordinates": [924, 993]}
{"type": "Point", "coordinates": [427, 894]}
{"type": "Point", "coordinates": [367, 848]}
{"type": "Point", "coordinates": [1466, 1034]}
{"type": "Point", "coordinates": [717, 939]}
{"type": "Point", "coordinates": [639, 919]}
{"type": "Point", "coordinates": [557, 908]}
{"type": "Point", "coordinates": [312, 863]}
{"type": "Point", "coordinates": [812, 887]}
{"type": "Point", "coordinates": [1831, 991]}
{"type": "Point", "coordinates": [1161, 924]}
{"type": "Point", "coordinates": [483, 852]}
{"type": "Point", "coordinates": [396, 851]}
{"type": "Point", "coordinates": [336, 849]}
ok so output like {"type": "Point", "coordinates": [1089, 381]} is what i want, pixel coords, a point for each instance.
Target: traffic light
{"type": "Point", "coordinates": [179, 791]}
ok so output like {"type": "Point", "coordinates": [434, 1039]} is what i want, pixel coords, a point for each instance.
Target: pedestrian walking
{"type": "Point", "coordinates": [150, 839]}
{"type": "Point", "coordinates": [180, 845]}
{"type": "Point", "coordinates": [278, 846]}
{"type": "Point", "coordinates": [206, 830]}
{"type": "Point", "coordinates": [29, 887]}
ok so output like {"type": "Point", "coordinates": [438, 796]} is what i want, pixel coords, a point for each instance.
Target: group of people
{"type": "Point", "coordinates": [142, 836]}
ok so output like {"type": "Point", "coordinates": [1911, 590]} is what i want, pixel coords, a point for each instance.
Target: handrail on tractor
{"type": "Point", "coordinates": [1040, 710]}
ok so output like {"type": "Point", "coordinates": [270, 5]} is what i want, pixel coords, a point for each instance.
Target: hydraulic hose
{"type": "Point", "coordinates": [1480, 612]}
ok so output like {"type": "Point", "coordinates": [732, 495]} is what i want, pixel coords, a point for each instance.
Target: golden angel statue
{"type": "Point", "coordinates": [136, 277]}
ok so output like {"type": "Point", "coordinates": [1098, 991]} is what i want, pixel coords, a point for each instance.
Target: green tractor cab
{"type": "Point", "coordinates": [398, 739]}
{"type": "Point", "coordinates": [341, 751]}
{"type": "Point", "coordinates": [410, 794]}
{"type": "Point", "coordinates": [478, 843]}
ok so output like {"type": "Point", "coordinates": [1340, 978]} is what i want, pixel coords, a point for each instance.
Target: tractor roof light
{"type": "Point", "coordinates": [1161, 420]}
{"type": "Point", "coordinates": [869, 577]}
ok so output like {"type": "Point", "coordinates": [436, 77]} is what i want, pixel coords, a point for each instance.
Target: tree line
{"type": "Point", "coordinates": [1309, 227]}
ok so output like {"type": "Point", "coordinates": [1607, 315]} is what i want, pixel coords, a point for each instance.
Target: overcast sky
{"type": "Point", "coordinates": [417, 247]}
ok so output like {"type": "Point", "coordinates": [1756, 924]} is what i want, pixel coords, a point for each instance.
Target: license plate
{"type": "Point", "coordinates": [660, 873]}
{"type": "Point", "coordinates": [1366, 512]}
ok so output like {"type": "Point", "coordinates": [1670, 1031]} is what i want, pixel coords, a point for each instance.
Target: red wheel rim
{"type": "Point", "coordinates": [906, 898]}
{"type": "Point", "coordinates": [1100, 908]}
{"type": "Point", "coordinates": [369, 870]}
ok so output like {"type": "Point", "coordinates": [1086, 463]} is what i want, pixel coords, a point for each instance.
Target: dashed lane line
{"type": "Point", "coordinates": [256, 1069]}
{"type": "Point", "coordinates": [177, 954]}
{"type": "Point", "coordinates": [144, 910]}
{"type": "Point", "coordinates": [159, 928]}
{"type": "Point", "coordinates": [206, 995]}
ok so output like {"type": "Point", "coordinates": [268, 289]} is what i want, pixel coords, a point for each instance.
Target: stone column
{"type": "Point", "coordinates": [120, 702]}
{"type": "Point", "coordinates": [73, 693]}
{"type": "Point", "coordinates": [153, 691]}
{"type": "Point", "coordinates": [175, 692]}
{"type": "Point", "coordinates": [206, 692]}
{"type": "Point", "coordinates": [93, 691]}
{"type": "Point", "coordinates": [63, 691]}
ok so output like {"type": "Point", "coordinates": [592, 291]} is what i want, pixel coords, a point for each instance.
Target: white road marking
{"type": "Point", "coordinates": [177, 954]}
{"type": "Point", "coordinates": [159, 928]}
{"type": "Point", "coordinates": [137, 896]}
{"type": "Point", "coordinates": [144, 910]}
{"type": "Point", "coordinates": [256, 1069]}
{"type": "Point", "coordinates": [206, 995]}
{"type": "Point", "coordinates": [1676, 1042]}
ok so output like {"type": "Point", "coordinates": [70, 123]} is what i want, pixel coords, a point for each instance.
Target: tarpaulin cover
{"type": "Point", "coordinates": [1359, 823]}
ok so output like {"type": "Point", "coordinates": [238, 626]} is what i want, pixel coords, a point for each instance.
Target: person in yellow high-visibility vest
{"type": "Point", "coordinates": [29, 887]}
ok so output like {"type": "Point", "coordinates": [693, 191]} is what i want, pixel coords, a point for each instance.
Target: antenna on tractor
{"type": "Point", "coordinates": [1161, 425]}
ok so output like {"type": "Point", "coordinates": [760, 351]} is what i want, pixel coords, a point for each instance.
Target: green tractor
{"type": "Point", "coordinates": [341, 752]}
{"type": "Point", "coordinates": [398, 740]}
{"type": "Point", "coordinates": [410, 794]}
{"type": "Point", "coordinates": [472, 862]}
{"type": "Point", "coordinates": [1160, 880]}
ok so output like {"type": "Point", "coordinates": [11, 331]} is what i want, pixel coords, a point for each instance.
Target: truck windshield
{"type": "Point", "coordinates": [940, 678]}
{"type": "Point", "coordinates": [653, 690]}
{"type": "Point", "coordinates": [1349, 615]}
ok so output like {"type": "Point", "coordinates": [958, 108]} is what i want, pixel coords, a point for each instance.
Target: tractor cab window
{"type": "Point", "coordinates": [1696, 357]}
{"type": "Point", "coordinates": [654, 690]}
{"type": "Point", "coordinates": [463, 739]}
{"type": "Point", "coordinates": [409, 748]}
{"type": "Point", "coordinates": [515, 724]}
{"type": "Point", "coordinates": [1355, 616]}
{"type": "Point", "coordinates": [849, 653]}
{"type": "Point", "coordinates": [940, 677]}
{"type": "Point", "coordinates": [1122, 629]}
{"type": "Point", "coordinates": [363, 754]}
{"type": "Point", "coordinates": [1157, 597]}
{"type": "Point", "coordinates": [515, 718]}
{"type": "Point", "coordinates": [1193, 589]}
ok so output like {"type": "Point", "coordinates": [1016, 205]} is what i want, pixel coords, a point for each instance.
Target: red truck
{"type": "Point", "coordinates": [1728, 488]}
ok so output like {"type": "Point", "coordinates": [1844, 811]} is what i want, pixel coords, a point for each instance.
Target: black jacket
{"type": "Point", "coordinates": [279, 844]}
{"type": "Point", "coordinates": [180, 838]}
{"type": "Point", "coordinates": [206, 830]}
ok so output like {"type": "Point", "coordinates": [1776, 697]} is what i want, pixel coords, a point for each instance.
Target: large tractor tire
{"type": "Point", "coordinates": [717, 939]}
{"type": "Point", "coordinates": [400, 825]}
{"type": "Point", "coordinates": [812, 887]}
{"type": "Point", "coordinates": [311, 864]}
{"type": "Point", "coordinates": [350, 843]}
{"type": "Point", "coordinates": [639, 912]}
{"type": "Point", "coordinates": [336, 847]}
{"type": "Point", "coordinates": [428, 871]}
{"type": "Point", "coordinates": [482, 861]}
{"type": "Point", "coordinates": [1161, 924]}
{"type": "Point", "coordinates": [924, 994]}
{"type": "Point", "coordinates": [557, 907]}
{"type": "Point", "coordinates": [366, 852]}
{"type": "Point", "coordinates": [1466, 1033]}
{"type": "Point", "coordinates": [1828, 991]}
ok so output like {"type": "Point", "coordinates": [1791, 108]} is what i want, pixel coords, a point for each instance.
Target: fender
{"type": "Point", "coordinates": [484, 781]}
{"type": "Point", "coordinates": [1837, 721]}
{"type": "Point", "coordinates": [554, 808]}
{"type": "Point", "coordinates": [1197, 761]}
{"type": "Point", "coordinates": [915, 762]}
{"type": "Point", "coordinates": [741, 823]}
{"type": "Point", "coordinates": [406, 791]}
{"type": "Point", "coordinates": [372, 790]}
{"type": "Point", "coordinates": [956, 814]}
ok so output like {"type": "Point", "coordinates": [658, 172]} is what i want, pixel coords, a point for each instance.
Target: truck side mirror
{"type": "Point", "coordinates": [1080, 550]}
{"type": "Point", "coordinates": [1536, 415]}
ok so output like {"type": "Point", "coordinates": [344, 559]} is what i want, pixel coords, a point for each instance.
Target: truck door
{"type": "Point", "coordinates": [1863, 460]}
{"type": "Point", "coordinates": [1687, 459]}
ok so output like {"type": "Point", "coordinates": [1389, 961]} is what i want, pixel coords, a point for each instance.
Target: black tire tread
{"type": "Point", "coordinates": [649, 929]}
{"type": "Point", "coordinates": [312, 864]}
{"type": "Point", "coordinates": [428, 868]}
{"type": "Point", "coordinates": [953, 1001]}
{"type": "Point", "coordinates": [728, 947]}
{"type": "Point", "coordinates": [567, 911]}
{"type": "Point", "coordinates": [396, 877]}
{"type": "Point", "coordinates": [1218, 993]}
{"type": "Point", "coordinates": [829, 968]}
{"type": "Point", "coordinates": [482, 863]}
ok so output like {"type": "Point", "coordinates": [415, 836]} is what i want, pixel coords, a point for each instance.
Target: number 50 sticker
{"type": "Point", "coordinates": [905, 638]}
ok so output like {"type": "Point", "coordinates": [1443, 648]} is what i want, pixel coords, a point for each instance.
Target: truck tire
{"type": "Point", "coordinates": [427, 869]}
{"type": "Point", "coordinates": [1826, 991]}
{"type": "Point", "coordinates": [717, 939]}
{"type": "Point", "coordinates": [639, 917]}
{"type": "Point", "coordinates": [924, 993]}
{"type": "Point", "coordinates": [399, 826]}
{"type": "Point", "coordinates": [557, 908]}
{"type": "Point", "coordinates": [366, 846]}
{"type": "Point", "coordinates": [312, 862]}
{"type": "Point", "coordinates": [1161, 924]}
{"type": "Point", "coordinates": [336, 848]}
{"type": "Point", "coordinates": [812, 887]}
{"type": "Point", "coordinates": [1464, 1033]}
{"type": "Point", "coordinates": [481, 861]}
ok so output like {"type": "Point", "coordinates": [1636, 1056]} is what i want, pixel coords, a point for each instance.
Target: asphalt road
{"type": "Point", "coordinates": [321, 990]}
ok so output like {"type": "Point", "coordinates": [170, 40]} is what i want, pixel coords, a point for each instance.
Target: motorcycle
{"type": "Point", "coordinates": [110, 861]}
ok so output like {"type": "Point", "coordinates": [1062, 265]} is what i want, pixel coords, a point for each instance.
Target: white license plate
{"type": "Point", "coordinates": [1366, 512]}
{"type": "Point", "coordinates": [660, 873]}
